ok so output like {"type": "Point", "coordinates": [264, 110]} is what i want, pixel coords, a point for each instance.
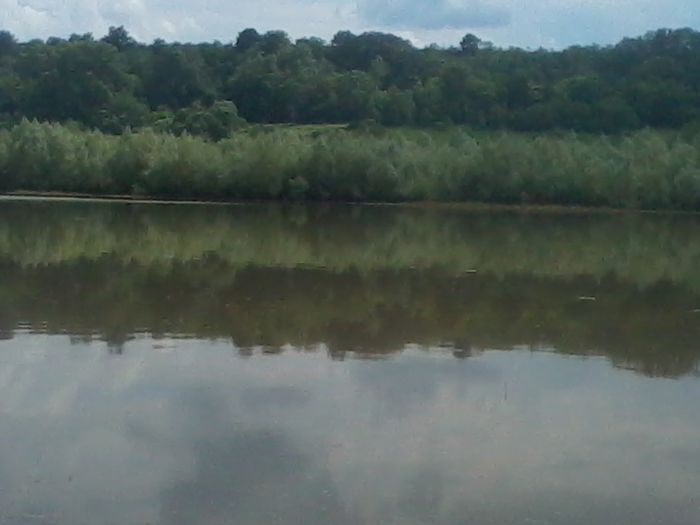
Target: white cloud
{"type": "Point", "coordinates": [440, 14]}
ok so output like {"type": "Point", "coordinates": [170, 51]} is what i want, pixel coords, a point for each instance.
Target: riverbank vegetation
{"type": "Point", "coordinates": [362, 118]}
{"type": "Point", "coordinates": [647, 169]}
{"type": "Point", "coordinates": [116, 83]}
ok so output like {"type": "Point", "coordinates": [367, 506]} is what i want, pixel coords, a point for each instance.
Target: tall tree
{"type": "Point", "coordinates": [470, 44]}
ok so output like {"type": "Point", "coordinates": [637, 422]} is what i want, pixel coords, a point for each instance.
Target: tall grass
{"type": "Point", "coordinates": [648, 169]}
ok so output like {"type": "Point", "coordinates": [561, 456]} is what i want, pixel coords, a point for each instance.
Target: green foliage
{"type": "Point", "coordinates": [397, 108]}
{"type": "Point", "coordinates": [119, 38]}
{"type": "Point", "coordinates": [215, 122]}
{"type": "Point", "coordinates": [175, 77]}
{"type": "Point", "coordinates": [50, 157]}
{"type": "Point", "coordinates": [77, 80]}
{"type": "Point", "coordinates": [115, 83]}
{"type": "Point", "coordinates": [247, 39]}
{"type": "Point", "coordinates": [8, 43]}
{"type": "Point", "coordinates": [122, 112]}
{"type": "Point", "coordinates": [470, 44]}
{"type": "Point", "coordinates": [648, 169]}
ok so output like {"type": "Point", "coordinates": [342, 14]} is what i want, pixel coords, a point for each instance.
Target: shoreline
{"type": "Point", "coordinates": [646, 172]}
{"type": "Point", "coordinates": [555, 209]}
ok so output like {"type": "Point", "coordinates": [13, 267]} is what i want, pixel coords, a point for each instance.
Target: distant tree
{"type": "Point", "coordinates": [247, 39]}
{"type": "Point", "coordinates": [72, 81]}
{"type": "Point", "coordinates": [357, 96]}
{"type": "Point", "coordinates": [350, 52]}
{"type": "Point", "coordinates": [85, 37]}
{"type": "Point", "coordinates": [119, 38]}
{"type": "Point", "coordinates": [10, 92]}
{"type": "Point", "coordinates": [342, 38]}
{"type": "Point", "coordinates": [582, 89]}
{"type": "Point", "coordinates": [317, 46]}
{"type": "Point", "coordinates": [453, 81]}
{"type": "Point", "coordinates": [55, 41]}
{"type": "Point", "coordinates": [176, 77]}
{"type": "Point", "coordinates": [396, 108]}
{"type": "Point", "coordinates": [614, 115]}
{"type": "Point", "coordinates": [427, 97]}
{"type": "Point", "coordinates": [470, 44]}
{"type": "Point", "coordinates": [8, 43]}
{"type": "Point", "coordinates": [253, 87]}
{"type": "Point", "coordinates": [652, 80]}
{"type": "Point", "coordinates": [519, 92]}
{"type": "Point", "coordinates": [274, 41]}
{"type": "Point", "coordinates": [216, 122]}
{"type": "Point", "coordinates": [121, 112]}
{"type": "Point", "coordinates": [661, 103]}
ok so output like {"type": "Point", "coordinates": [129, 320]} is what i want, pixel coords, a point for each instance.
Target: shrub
{"type": "Point", "coordinates": [647, 169]}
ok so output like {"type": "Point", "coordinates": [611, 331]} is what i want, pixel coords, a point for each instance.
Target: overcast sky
{"type": "Point", "coordinates": [527, 23]}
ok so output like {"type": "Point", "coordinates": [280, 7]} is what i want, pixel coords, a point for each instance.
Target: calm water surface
{"type": "Point", "coordinates": [347, 365]}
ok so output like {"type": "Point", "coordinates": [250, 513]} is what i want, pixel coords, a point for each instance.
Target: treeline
{"type": "Point", "coordinates": [646, 169]}
{"type": "Point", "coordinates": [115, 83]}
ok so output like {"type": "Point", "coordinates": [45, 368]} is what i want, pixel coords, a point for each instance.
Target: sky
{"type": "Point", "coordinates": [524, 23]}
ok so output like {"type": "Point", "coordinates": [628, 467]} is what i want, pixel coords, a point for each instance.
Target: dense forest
{"type": "Point", "coordinates": [224, 121]}
{"type": "Point", "coordinates": [114, 83]}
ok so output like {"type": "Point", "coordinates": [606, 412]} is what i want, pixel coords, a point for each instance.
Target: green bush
{"type": "Point", "coordinates": [647, 169]}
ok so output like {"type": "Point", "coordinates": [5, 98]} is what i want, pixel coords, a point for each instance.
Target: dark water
{"type": "Point", "coordinates": [347, 365]}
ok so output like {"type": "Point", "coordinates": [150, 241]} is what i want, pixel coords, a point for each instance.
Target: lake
{"type": "Point", "coordinates": [256, 364]}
